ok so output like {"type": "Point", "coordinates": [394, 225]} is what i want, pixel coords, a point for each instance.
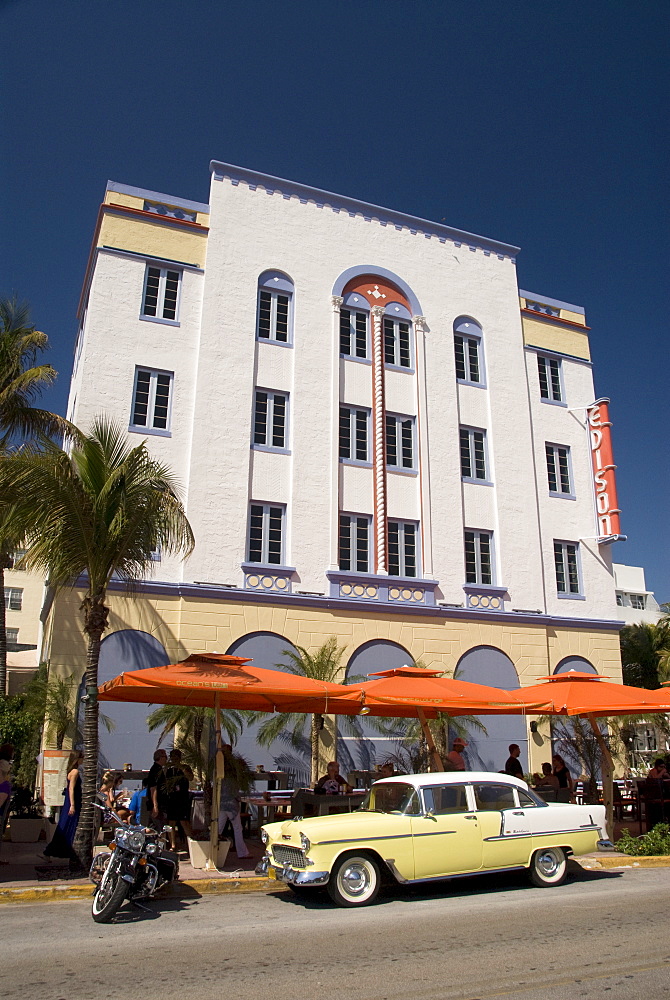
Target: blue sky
{"type": "Point", "coordinates": [541, 125]}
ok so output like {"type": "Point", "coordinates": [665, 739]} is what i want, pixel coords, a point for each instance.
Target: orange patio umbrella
{"type": "Point", "coordinates": [592, 695]}
{"type": "Point", "coordinates": [414, 692]}
{"type": "Point", "coordinates": [202, 678]}
{"type": "Point", "coordinates": [214, 680]}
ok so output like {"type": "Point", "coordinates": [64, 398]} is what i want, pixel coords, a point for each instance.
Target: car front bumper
{"type": "Point", "coordinates": [284, 873]}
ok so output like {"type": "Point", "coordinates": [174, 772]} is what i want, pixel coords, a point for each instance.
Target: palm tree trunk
{"type": "Point", "coordinates": [3, 629]}
{"type": "Point", "coordinates": [95, 623]}
{"type": "Point", "coordinates": [314, 739]}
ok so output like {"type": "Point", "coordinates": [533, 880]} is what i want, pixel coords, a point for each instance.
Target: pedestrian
{"type": "Point", "coordinates": [178, 798]}
{"type": "Point", "coordinates": [512, 765]}
{"type": "Point", "coordinates": [5, 796]}
{"type": "Point", "coordinates": [455, 758]}
{"type": "Point", "coordinates": [156, 791]}
{"type": "Point", "coordinates": [231, 802]}
{"type": "Point", "coordinates": [60, 845]}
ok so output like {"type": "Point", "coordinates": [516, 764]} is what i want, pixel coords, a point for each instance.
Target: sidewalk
{"type": "Point", "coordinates": [29, 877]}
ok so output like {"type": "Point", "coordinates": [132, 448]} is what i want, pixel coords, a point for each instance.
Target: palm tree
{"type": "Point", "coordinates": [322, 665]}
{"type": "Point", "coordinates": [21, 382]}
{"type": "Point", "coordinates": [195, 726]}
{"type": "Point", "coordinates": [52, 699]}
{"type": "Point", "coordinates": [645, 653]}
{"type": "Point", "coordinates": [99, 510]}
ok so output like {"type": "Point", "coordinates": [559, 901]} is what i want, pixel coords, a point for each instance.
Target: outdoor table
{"type": "Point", "coordinates": [267, 807]}
{"type": "Point", "coordinates": [306, 802]}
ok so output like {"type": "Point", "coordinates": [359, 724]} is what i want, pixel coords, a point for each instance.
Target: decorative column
{"type": "Point", "coordinates": [379, 438]}
{"type": "Point", "coordinates": [336, 303]}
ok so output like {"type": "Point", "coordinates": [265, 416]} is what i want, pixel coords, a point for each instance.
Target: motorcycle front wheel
{"type": "Point", "coordinates": [108, 898]}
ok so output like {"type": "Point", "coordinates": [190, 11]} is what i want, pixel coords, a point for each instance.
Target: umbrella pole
{"type": "Point", "coordinates": [216, 791]}
{"type": "Point", "coordinates": [436, 760]}
{"type": "Point", "coordinates": [608, 773]}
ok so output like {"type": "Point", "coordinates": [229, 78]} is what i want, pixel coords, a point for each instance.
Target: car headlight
{"type": "Point", "coordinates": [264, 835]}
{"type": "Point", "coordinates": [305, 842]}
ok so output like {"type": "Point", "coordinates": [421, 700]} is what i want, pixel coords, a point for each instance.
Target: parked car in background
{"type": "Point", "coordinates": [425, 827]}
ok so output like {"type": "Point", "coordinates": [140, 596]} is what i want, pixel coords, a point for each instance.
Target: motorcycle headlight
{"type": "Point", "coordinates": [264, 835]}
{"type": "Point", "coordinates": [121, 838]}
{"type": "Point", "coordinates": [136, 840]}
{"type": "Point", "coordinates": [152, 848]}
{"type": "Point", "coordinates": [305, 842]}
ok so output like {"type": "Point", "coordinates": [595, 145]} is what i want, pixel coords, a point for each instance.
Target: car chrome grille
{"type": "Point", "coordinates": [289, 855]}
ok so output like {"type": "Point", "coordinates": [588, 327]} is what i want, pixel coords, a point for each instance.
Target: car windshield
{"type": "Point", "coordinates": [395, 797]}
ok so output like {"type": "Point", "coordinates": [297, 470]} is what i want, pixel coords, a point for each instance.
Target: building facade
{"type": "Point", "coordinates": [379, 437]}
{"type": "Point", "coordinates": [635, 603]}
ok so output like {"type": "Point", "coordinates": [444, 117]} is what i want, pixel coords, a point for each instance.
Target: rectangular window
{"type": "Point", "coordinates": [151, 399]}
{"type": "Point", "coordinates": [354, 433]}
{"type": "Point", "coordinates": [619, 600]}
{"type": "Point", "coordinates": [273, 315]}
{"type": "Point", "coordinates": [494, 798]}
{"type": "Point", "coordinates": [567, 567]}
{"type": "Point", "coordinates": [13, 598]}
{"type": "Point", "coordinates": [15, 558]}
{"type": "Point", "coordinates": [12, 635]}
{"type": "Point", "coordinates": [403, 548]}
{"type": "Point", "coordinates": [266, 523]}
{"type": "Point", "coordinates": [549, 371]}
{"type": "Point", "coordinates": [353, 333]}
{"type": "Point", "coordinates": [466, 349]}
{"type": "Point", "coordinates": [397, 344]}
{"type": "Point", "coordinates": [161, 293]}
{"type": "Point", "coordinates": [443, 800]}
{"type": "Point", "coordinates": [399, 442]}
{"type": "Point", "coordinates": [558, 469]}
{"type": "Point", "coordinates": [270, 413]}
{"type": "Point", "coordinates": [355, 543]}
{"type": "Point", "coordinates": [478, 557]}
{"type": "Point", "coordinates": [637, 601]}
{"type": "Point", "coordinates": [473, 454]}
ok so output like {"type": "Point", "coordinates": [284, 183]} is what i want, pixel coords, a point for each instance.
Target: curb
{"type": "Point", "coordinates": [201, 887]}
{"type": "Point", "coordinates": [624, 861]}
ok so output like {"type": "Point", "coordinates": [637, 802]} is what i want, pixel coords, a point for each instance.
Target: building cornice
{"type": "Point", "coordinates": [213, 592]}
{"type": "Point", "coordinates": [306, 194]}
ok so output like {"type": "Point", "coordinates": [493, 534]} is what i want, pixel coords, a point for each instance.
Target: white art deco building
{"type": "Point", "coordinates": [379, 436]}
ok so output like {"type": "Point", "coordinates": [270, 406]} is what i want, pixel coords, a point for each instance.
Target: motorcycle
{"type": "Point", "coordinates": [135, 867]}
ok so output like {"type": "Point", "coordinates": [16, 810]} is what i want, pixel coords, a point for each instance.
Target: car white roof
{"type": "Point", "coordinates": [453, 778]}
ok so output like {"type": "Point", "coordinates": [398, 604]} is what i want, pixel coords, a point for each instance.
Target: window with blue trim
{"type": "Point", "coordinates": [354, 436]}
{"type": "Point", "coordinates": [566, 561]}
{"type": "Point", "coordinates": [397, 342]}
{"type": "Point", "coordinates": [558, 469]}
{"type": "Point", "coordinates": [473, 453]}
{"type": "Point", "coordinates": [270, 418]}
{"type": "Point", "coordinates": [152, 393]}
{"type": "Point", "coordinates": [275, 295]}
{"type": "Point", "coordinates": [161, 293]}
{"type": "Point", "coordinates": [549, 372]}
{"type": "Point", "coordinates": [354, 325]}
{"type": "Point", "coordinates": [266, 530]}
{"type": "Point", "coordinates": [355, 542]}
{"type": "Point", "coordinates": [399, 442]}
{"type": "Point", "coordinates": [478, 557]}
{"type": "Point", "coordinates": [403, 548]}
{"type": "Point", "coordinates": [468, 351]}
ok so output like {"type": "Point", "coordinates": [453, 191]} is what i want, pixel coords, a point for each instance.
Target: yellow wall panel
{"type": "Point", "coordinates": [551, 337]}
{"type": "Point", "coordinates": [157, 239]}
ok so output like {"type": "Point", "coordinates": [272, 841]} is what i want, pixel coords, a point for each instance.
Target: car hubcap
{"type": "Point", "coordinates": [355, 880]}
{"type": "Point", "coordinates": [548, 864]}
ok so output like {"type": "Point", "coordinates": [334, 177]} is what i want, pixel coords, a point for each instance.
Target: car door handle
{"type": "Point", "coordinates": [470, 817]}
{"type": "Point", "coordinates": [515, 813]}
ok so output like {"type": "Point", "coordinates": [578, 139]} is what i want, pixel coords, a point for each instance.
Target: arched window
{"type": "Point", "coordinates": [130, 742]}
{"type": "Point", "coordinates": [355, 327]}
{"type": "Point", "coordinates": [575, 663]}
{"type": "Point", "coordinates": [274, 320]}
{"type": "Point", "coordinates": [488, 751]}
{"type": "Point", "coordinates": [469, 352]}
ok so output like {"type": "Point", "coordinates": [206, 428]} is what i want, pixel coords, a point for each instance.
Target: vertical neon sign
{"type": "Point", "coordinates": [604, 479]}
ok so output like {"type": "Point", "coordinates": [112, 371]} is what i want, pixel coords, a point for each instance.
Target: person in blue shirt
{"type": "Point", "coordinates": [135, 808]}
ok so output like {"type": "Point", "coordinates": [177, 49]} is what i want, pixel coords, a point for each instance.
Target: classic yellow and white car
{"type": "Point", "coordinates": [424, 827]}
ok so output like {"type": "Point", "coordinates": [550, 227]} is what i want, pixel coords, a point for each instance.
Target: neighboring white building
{"type": "Point", "coordinates": [378, 434]}
{"type": "Point", "coordinates": [24, 594]}
{"type": "Point", "coordinates": [635, 603]}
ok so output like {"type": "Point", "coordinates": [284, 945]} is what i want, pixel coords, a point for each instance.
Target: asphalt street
{"type": "Point", "coordinates": [602, 934]}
